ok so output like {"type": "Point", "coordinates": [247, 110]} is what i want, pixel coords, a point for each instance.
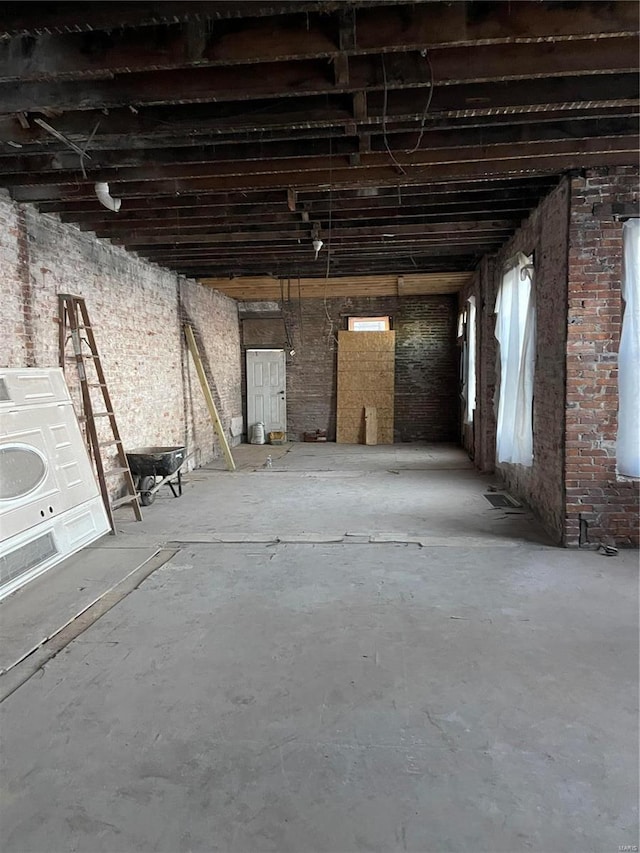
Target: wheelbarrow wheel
{"type": "Point", "coordinates": [146, 496]}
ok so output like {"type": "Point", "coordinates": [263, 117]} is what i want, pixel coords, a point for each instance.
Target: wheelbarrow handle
{"type": "Point", "coordinates": [170, 476]}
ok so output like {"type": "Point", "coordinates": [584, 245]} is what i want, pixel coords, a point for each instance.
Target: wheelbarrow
{"type": "Point", "coordinates": [148, 463]}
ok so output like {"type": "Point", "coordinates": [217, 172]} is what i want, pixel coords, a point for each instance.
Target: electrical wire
{"type": "Point", "coordinates": [384, 117]}
{"type": "Point", "coordinates": [85, 148]}
{"type": "Point", "coordinates": [300, 311]}
{"type": "Point", "coordinates": [425, 111]}
{"type": "Point", "coordinates": [330, 333]}
{"type": "Point", "coordinates": [427, 106]}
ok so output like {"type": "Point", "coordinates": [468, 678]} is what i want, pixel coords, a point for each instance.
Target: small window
{"type": "Point", "coordinates": [369, 324]}
{"type": "Point", "coordinates": [23, 469]}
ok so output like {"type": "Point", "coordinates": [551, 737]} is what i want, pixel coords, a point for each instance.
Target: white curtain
{"type": "Point", "coordinates": [516, 334]}
{"type": "Point", "coordinates": [628, 444]}
{"type": "Point", "coordinates": [470, 398]}
{"type": "Point", "coordinates": [462, 338]}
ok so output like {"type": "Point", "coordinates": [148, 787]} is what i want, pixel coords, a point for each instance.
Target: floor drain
{"type": "Point", "coordinates": [502, 501]}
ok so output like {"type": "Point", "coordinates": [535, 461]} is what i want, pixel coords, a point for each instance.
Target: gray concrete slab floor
{"type": "Point", "coordinates": [477, 692]}
{"type": "Point", "coordinates": [428, 493]}
{"type": "Point", "coordinates": [40, 608]}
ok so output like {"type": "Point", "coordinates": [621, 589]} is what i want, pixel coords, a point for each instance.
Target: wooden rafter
{"type": "Point", "coordinates": [415, 136]}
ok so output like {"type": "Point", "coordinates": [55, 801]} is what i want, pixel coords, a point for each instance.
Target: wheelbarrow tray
{"type": "Point", "coordinates": [155, 461]}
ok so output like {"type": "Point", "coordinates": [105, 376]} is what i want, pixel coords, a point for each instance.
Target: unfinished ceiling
{"type": "Point", "coordinates": [409, 138]}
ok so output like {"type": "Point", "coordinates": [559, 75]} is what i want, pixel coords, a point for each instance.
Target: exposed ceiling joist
{"type": "Point", "coordinates": [415, 136]}
{"type": "Point", "coordinates": [450, 66]}
{"type": "Point", "coordinates": [307, 35]}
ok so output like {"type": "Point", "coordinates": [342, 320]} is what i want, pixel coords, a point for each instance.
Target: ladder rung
{"type": "Point", "coordinates": [111, 443]}
{"type": "Point", "coordinates": [127, 499]}
{"type": "Point", "coordinates": [84, 419]}
{"type": "Point", "coordinates": [113, 471]}
{"type": "Point", "coordinates": [83, 355]}
{"type": "Point", "coordinates": [96, 384]}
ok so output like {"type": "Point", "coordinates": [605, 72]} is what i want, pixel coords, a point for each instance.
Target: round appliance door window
{"type": "Point", "coordinates": [22, 469]}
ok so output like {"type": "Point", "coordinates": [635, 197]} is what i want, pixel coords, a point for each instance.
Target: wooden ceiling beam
{"type": "Point", "coordinates": [352, 199]}
{"type": "Point", "coordinates": [451, 66]}
{"type": "Point", "coordinates": [286, 258]}
{"type": "Point", "coordinates": [131, 164]}
{"type": "Point", "coordinates": [224, 236]}
{"type": "Point", "coordinates": [183, 124]}
{"type": "Point", "coordinates": [301, 36]}
{"type": "Point", "coordinates": [402, 216]}
{"type": "Point", "coordinates": [120, 149]}
{"type": "Point", "coordinates": [375, 169]}
{"type": "Point", "coordinates": [433, 265]}
{"type": "Point", "coordinates": [545, 164]}
{"type": "Point", "coordinates": [70, 17]}
{"type": "Point", "coordinates": [283, 266]}
{"type": "Point", "coordinates": [194, 218]}
{"type": "Point", "coordinates": [230, 129]}
{"type": "Point", "coordinates": [305, 254]}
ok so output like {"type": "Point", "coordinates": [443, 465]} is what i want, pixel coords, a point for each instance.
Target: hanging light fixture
{"type": "Point", "coordinates": [316, 242]}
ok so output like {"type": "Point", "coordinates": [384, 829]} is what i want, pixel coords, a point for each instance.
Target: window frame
{"type": "Point", "coordinates": [352, 320]}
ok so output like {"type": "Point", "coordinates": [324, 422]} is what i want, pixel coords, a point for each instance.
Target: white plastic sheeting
{"type": "Point", "coordinates": [470, 372]}
{"type": "Point", "coordinates": [516, 334]}
{"type": "Point", "coordinates": [628, 444]}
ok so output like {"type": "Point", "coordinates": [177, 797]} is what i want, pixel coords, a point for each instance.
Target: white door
{"type": "Point", "coordinates": [266, 390]}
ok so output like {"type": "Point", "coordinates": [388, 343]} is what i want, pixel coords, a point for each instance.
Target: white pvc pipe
{"type": "Point", "coordinates": [111, 203]}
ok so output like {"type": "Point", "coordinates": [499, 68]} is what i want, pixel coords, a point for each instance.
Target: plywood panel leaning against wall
{"type": "Point", "coordinates": [366, 368]}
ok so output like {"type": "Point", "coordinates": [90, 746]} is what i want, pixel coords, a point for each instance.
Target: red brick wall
{"type": "Point", "coordinates": [601, 505]}
{"type": "Point", "coordinates": [573, 485]}
{"type": "Point", "coordinates": [426, 395]}
{"type": "Point", "coordinates": [544, 234]}
{"type": "Point", "coordinates": [480, 437]}
{"type": "Point", "coordinates": [134, 306]}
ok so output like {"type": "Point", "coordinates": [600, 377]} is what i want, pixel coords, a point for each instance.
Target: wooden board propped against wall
{"type": "Point", "coordinates": [366, 377]}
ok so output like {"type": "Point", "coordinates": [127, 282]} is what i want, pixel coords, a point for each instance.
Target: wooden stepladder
{"type": "Point", "coordinates": [75, 326]}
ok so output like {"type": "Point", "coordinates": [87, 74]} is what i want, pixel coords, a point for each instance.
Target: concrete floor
{"type": "Point", "coordinates": [338, 658]}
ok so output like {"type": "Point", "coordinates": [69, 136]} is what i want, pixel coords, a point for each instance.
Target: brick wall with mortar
{"type": "Point", "coordinates": [485, 433]}
{"type": "Point", "coordinates": [601, 504]}
{"type": "Point", "coordinates": [16, 339]}
{"type": "Point", "coordinates": [136, 309]}
{"type": "Point", "coordinates": [479, 437]}
{"type": "Point", "coordinates": [426, 391]}
{"type": "Point", "coordinates": [543, 234]}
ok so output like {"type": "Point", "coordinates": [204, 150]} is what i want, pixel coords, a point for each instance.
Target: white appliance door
{"type": "Point", "coordinates": [50, 504]}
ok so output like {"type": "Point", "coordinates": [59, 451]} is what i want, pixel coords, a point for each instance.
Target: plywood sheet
{"type": "Point", "coordinates": [372, 360]}
{"type": "Point", "coordinates": [367, 342]}
{"type": "Point", "coordinates": [375, 384]}
{"type": "Point", "coordinates": [366, 369]}
{"type": "Point", "coordinates": [267, 287]}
